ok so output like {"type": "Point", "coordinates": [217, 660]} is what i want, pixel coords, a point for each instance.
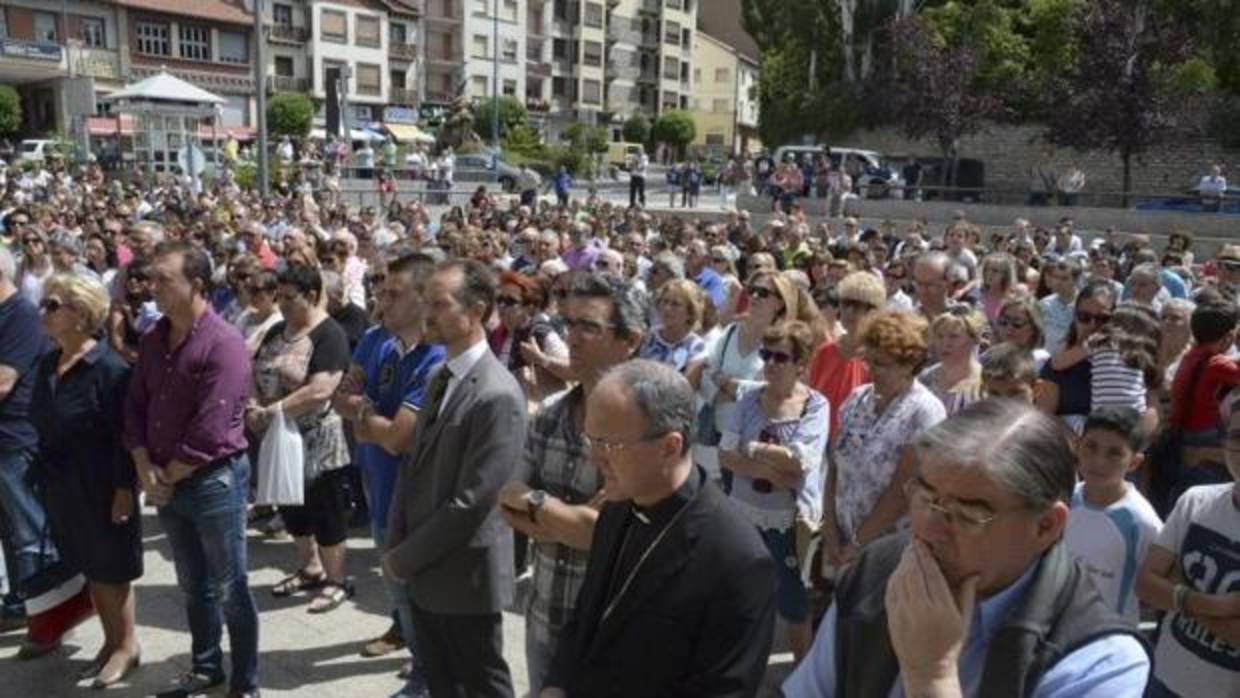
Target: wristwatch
{"type": "Point", "coordinates": [534, 500]}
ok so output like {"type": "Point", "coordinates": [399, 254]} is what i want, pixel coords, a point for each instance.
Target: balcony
{"type": "Point", "coordinates": [651, 6]}
{"type": "Point", "coordinates": [441, 56]}
{"type": "Point", "coordinates": [538, 68]}
{"type": "Point", "coordinates": [287, 83]}
{"type": "Point", "coordinates": [437, 97]}
{"type": "Point", "coordinates": [287, 33]}
{"type": "Point", "coordinates": [537, 105]}
{"type": "Point", "coordinates": [403, 95]}
{"type": "Point", "coordinates": [405, 51]}
{"type": "Point", "coordinates": [97, 63]}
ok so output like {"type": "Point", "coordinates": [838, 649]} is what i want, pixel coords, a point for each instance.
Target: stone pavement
{"type": "Point", "coordinates": [301, 654]}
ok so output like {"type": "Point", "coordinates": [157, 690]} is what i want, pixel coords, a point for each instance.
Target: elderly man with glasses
{"type": "Point", "coordinates": [981, 597]}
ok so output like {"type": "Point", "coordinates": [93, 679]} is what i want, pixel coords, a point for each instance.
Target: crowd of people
{"type": "Point", "coordinates": [953, 462]}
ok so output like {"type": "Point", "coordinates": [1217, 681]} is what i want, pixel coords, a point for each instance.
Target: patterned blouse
{"type": "Point", "coordinates": [867, 447]}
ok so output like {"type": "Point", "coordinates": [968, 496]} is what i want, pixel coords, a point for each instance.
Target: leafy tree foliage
{"type": "Point", "coordinates": [10, 110]}
{"type": "Point", "coordinates": [636, 129]}
{"type": "Point", "coordinates": [511, 115]}
{"type": "Point", "coordinates": [290, 114]}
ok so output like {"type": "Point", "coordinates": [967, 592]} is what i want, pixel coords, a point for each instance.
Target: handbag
{"type": "Point", "coordinates": [281, 457]}
{"type": "Point", "coordinates": [707, 433]}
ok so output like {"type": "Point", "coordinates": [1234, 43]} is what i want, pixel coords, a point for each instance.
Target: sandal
{"type": "Point", "coordinates": [331, 596]}
{"type": "Point", "coordinates": [301, 581]}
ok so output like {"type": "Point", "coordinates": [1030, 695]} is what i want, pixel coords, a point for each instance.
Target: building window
{"type": "Point", "coordinates": [722, 75]}
{"type": "Point", "coordinates": [721, 106]}
{"type": "Point", "coordinates": [559, 49]}
{"type": "Point", "coordinates": [594, 15]}
{"type": "Point", "coordinates": [671, 68]}
{"type": "Point", "coordinates": [671, 33]}
{"type": "Point", "coordinates": [363, 112]}
{"type": "Point", "coordinates": [332, 70]}
{"type": "Point", "coordinates": [674, 4]}
{"type": "Point", "coordinates": [560, 10]}
{"type": "Point", "coordinates": [509, 13]}
{"type": "Point", "coordinates": [152, 38]}
{"type": "Point", "coordinates": [591, 92]}
{"type": "Point", "coordinates": [367, 29]}
{"type": "Point", "coordinates": [559, 87]}
{"type": "Point", "coordinates": [478, 85]}
{"type": "Point", "coordinates": [44, 26]}
{"type": "Point", "coordinates": [686, 38]}
{"type": "Point", "coordinates": [510, 51]}
{"type": "Point", "coordinates": [334, 27]}
{"type": "Point", "coordinates": [714, 139]}
{"type": "Point", "coordinates": [480, 45]}
{"type": "Point", "coordinates": [92, 32]}
{"type": "Point", "coordinates": [397, 34]}
{"type": "Point", "coordinates": [234, 47]}
{"type": "Point", "coordinates": [397, 79]}
{"type": "Point", "coordinates": [195, 44]}
{"type": "Point", "coordinates": [282, 14]}
{"type": "Point", "coordinates": [482, 8]}
{"type": "Point", "coordinates": [368, 79]}
{"type": "Point", "coordinates": [592, 54]}
{"type": "Point", "coordinates": [284, 66]}
{"type": "Point", "coordinates": [510, 88]}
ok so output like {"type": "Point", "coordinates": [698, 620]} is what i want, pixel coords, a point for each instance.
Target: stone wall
{"type": "Point", "coordinates": [1010, 151]}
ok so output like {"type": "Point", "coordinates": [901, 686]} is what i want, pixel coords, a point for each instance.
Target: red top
{"type": "Point", "coordinates": [1219, 374]}
{"type": "Point", "coordinates": [835, 377]}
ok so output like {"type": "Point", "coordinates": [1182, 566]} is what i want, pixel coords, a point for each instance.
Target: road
{"type": "Point", "coordinates": [301, 654]}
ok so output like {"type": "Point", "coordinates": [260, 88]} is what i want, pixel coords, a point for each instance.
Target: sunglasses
{"type": "Point", "coordinates": [37, 241]}
{"type": "Point", "coordinates": [850, 304]}
{"type": "Point", "coordinates": [50, 305]}
{"type": "Point", "coordinates": [760, 292]}
{"type": "Point", "coordinates": [1012, 323]}
{"type": "Point", "coordinates": [775, 357]}
{"type": "Point", "coordinates": [1230, 264]}
{"type": "Point", "coordinates": [1088, 318]}
{"type": "Point", "coordinates": [507, 301]}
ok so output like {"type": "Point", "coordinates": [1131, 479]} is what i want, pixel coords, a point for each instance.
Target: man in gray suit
{"type": "Point", "coordinates": [446, 539]}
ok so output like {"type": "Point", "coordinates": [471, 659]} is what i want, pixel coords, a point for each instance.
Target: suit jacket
{"type": "Point", "coordinates": [696, 621]}
{"type": "Point", "coordinates": [445, 536]}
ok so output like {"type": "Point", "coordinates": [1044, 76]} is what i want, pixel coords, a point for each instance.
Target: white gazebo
{"type": "Point", "coordinates": [169, 111]}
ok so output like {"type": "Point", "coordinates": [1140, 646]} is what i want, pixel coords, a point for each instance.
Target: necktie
{"type": "Point", "coordinates": [438, 389]}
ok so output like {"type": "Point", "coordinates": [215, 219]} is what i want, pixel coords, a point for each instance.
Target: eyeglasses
{"type": "Point", "coordinates": [1012, 323]}
{"type": "Point", "coordinates": [611, 448]}
{"type": "Point", "coordinates": [507, 301]}
{"type": "Point", "coordinates": [776, 357]}
{"type": "Point", "coordinates": [760, 292]}
{"type": "Point", "coordinates": [856, 305]}
{"type": "Point", "coordinates": [50, 305]}
{"type": "Point", "coordinates": [965, 519]}
{"type": "Point", "coordinates": [33, 241]}
{"type": "Point", "coordinates": [1087, 318]}
{"type": "Point", "coordinates": [1230, 264]}
{"type": "Point", "coordinates": [588, 328]}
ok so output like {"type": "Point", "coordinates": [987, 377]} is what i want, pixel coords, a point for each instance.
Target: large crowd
{"type": "Point", "coordinates": [953, 461]}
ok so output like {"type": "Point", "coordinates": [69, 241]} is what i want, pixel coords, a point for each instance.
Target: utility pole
{"type": "Point", "coordinates": [260, 84]}
{"type": "Point", "coordinates": [495, 89]}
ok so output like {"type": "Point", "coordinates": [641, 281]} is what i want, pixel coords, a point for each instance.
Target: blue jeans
{"type": "Point", "coordinates": [205, 523]}
{"type": "Point", "coordinates": [398, 594]}
{"type": "Point", "coordinates": [22, 521]}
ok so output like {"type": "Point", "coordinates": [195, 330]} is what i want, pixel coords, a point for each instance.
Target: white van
{"type": "Point", "coordinates": [36, 149]}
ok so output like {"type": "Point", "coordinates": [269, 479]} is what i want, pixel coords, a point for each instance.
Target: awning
{"type": "Point", "coordinates": [356, 134]}
{"type": "Point", "coordinates": [105, 126]}
{"type": "Point", "coordinates": [409, 133]}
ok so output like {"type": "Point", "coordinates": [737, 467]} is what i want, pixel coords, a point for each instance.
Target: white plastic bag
{"type": "Point", "coordinates": [281, 457]}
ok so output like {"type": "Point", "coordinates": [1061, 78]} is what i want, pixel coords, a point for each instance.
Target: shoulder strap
{"type": "Point", "coordinates": [723, 352]}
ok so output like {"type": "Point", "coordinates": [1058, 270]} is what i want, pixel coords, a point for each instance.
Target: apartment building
{"type": "Point", "coordinates": [725, 103]}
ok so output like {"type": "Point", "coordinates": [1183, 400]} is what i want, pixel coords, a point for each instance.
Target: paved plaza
{"type": "Point", "coordinates": [302, 654]}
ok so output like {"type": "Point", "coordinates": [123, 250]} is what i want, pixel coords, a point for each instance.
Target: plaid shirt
{"type": "Point", "coordinates": [556, 460]}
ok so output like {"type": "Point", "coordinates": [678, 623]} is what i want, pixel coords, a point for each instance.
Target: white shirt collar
{"type": "Point", "coordinates": [464, 362]}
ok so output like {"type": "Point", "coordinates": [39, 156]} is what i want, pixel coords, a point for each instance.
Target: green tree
{"type": "Point", "coordinates": [636, 129]}
{"type": "Point", "coordinates": [290, 114]}
{"type": "Point", "coordinates": [511, 115]}
{"type": "Point", "coordinates": [10, 110]}
{"type": "Point", "coordinates": [675, 128]}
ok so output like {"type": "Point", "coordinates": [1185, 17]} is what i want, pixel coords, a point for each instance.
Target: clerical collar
{"type": "Point", "coordinates": [662, 511]}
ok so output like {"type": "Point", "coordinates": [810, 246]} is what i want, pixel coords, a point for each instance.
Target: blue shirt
{"type": "Point", "coordinates": [1114, 666]}
{"type": "Point", "coordinates": [21, 345]}
{"type": "Point", "coordinates": [395, 378]}
{"type": "Point", "coordinates": [713, 285]}
{"type": "Point", "coordinates": [562, 182]}
{"type": "Point", "coordinates": [1173, 283]}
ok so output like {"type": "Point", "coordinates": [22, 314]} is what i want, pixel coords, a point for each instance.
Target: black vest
{"type": "Point", "coordinates": [1060, 612]}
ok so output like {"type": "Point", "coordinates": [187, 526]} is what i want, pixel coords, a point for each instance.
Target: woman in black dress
{"type": "Point", "coordinates": [87, 473]}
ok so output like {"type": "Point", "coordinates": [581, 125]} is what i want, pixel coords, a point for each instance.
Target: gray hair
{"type": "Point", "coordinates": [8, 265]}
{"type": "Point", "coordinates": [1019, 446]}
{"type": "Point", "coordinates": [1147, 271]}
{"type": "Point", "coordinates": [670, 262]}
{"type": "Point", "coordinates": [936, 259]}
{"type": "Point", "coordinates": [628, 304]}
{"type": "Point", "coordinates": [662, 394]}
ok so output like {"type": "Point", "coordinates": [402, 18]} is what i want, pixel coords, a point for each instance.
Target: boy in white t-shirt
{"type": "Point", "coordinates": [1193, 571]}
{"type": "Point", "coordinates": [1111, 524]}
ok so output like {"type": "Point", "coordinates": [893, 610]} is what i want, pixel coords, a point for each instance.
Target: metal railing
{"type": "Point", "coordinates": [287, 32]}
{"type": "Point", "coordinates": [403, 95]}
{"type": "Point", "coordinates": [287, 83]}
{"type": "Point", "coordinates": [409, 51]}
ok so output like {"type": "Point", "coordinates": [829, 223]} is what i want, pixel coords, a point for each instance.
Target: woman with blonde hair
{"type": "Point", "coordinates": [838, 365]}
{"type": "Point", "coordinates": [88, 477]}
{"type": "Point", "coordinates": [957, 378]}
{"type": "Point", "coordinates": [675, 341]}
{"type": "Point", "coordinates": [998, 282]}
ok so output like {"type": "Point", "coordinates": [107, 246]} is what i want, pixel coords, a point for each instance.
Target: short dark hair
{"type": "Point", "coordinates": [1009, 361]}
{"type": "Point", "coordinates": [306, 279]}
{"type": "Point", "coordinates": [416, 263]}
{"type": "Point", "coordinates": [195, 264]}
{"type": "Point", "coordinates": [1212, 319]}
{"type": "Point", "coordinates": [1124, 422]}
{"type": "Point", "coordinates": [478, 284]}
{"type": "Point", "coordinates": [628, 307]}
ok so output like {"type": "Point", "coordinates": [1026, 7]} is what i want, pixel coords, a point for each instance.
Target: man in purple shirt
{"type": "Point", "coordinates": [581, 251]}
{"type": "Point", "coordinates": [183, 425]}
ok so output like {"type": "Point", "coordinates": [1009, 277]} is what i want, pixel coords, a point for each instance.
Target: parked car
{"type": "Point", "coordinates": [38, 150]}
{"type": "Point", "coordinates": [876, 181]}
{"type": "Point", "coordinates": [483, 167]}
